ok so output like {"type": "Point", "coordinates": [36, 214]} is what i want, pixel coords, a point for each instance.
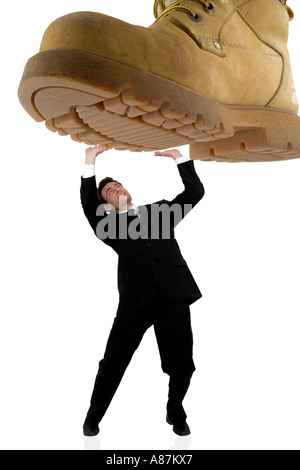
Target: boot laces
{"type": "Point", "coordinates": [176, 6]}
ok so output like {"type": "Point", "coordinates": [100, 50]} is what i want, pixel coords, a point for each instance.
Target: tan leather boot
{"type": "Point", "coordinates": [216, 76]}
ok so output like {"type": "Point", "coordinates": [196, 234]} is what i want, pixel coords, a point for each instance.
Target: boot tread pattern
{"type": "Point", "coordinates": [147, 126]}
{"type": "Point", "coordinates": [142, 127]}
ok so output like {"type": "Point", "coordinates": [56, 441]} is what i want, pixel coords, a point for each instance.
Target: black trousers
{"type": "Point", "coordinates": [172, 325]}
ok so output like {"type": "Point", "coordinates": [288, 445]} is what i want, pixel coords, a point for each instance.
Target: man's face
{"type": "Point", "coordinates": [116, 195]}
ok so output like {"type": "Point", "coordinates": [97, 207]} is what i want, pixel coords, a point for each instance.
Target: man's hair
{"type": "Point", "coordinates": [101, 185]}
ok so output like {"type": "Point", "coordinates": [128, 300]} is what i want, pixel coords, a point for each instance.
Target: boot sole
{"type": "Point", "coordinates": [98, 100]}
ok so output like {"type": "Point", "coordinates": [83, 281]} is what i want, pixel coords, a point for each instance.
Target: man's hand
{"type": "Point", "coordinates": [173, 153]}
{"type": "Point", "coordinates": [92, 152]}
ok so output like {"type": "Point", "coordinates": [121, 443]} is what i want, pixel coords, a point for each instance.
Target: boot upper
{"type": "Point", "coordinates": [235, 52]}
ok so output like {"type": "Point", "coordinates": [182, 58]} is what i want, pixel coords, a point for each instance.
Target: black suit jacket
{"type": "Point", "coordinates": [151, 259]}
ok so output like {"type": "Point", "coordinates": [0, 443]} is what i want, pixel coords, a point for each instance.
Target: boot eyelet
{"type": "Point", "coordinates": [196, 18]}
{"type": "Point", "coordinates": [210, 9]}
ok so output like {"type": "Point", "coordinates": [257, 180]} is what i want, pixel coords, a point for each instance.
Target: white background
{"type": "Point", "coordinates": [59, 292]}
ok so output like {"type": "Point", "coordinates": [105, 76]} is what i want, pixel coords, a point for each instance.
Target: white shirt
{"type": "Point", "coordinates": [89, 171]}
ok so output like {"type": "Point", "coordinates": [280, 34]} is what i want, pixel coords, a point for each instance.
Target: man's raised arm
{"type": "Point", "coordinates": [193, 188]}
{"type": "Point", "coordinates": [88, 189]}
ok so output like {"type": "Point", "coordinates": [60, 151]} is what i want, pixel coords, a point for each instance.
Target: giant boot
{"type": "Point", "coordinates": [216, 76]}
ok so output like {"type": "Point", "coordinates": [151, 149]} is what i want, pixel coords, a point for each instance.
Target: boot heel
{"type": "Point", "coordinates": [277, 139]}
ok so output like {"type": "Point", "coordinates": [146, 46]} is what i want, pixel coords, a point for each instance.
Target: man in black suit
{"type": "Point", "coordinates": [155, 284]}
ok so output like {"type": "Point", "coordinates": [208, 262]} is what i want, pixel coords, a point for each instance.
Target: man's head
{"type": "Point", "coordinates": [112, 192]}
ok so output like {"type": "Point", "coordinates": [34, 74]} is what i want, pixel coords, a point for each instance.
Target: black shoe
{"type": "Point", "coordinates": [182, 430]}
{"type": "Point", "coordinates": [90, 430]}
